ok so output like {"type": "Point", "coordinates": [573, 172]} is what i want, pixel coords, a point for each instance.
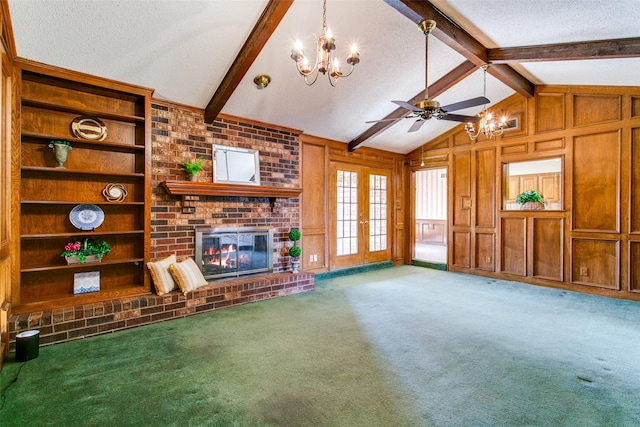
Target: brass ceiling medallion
{"type": "Point", "coordinates": [88, 128]}
{"type": "Point", "coordinates": [262, 81]}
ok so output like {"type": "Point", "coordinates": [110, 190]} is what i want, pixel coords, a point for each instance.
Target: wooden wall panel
{"type": "Point", "coordinates": [595, 262]}
{"type": "Point", "coordinates": [520, 148]}
{"type": "Point", "coordinates": [553, 144]}
{"type": "Point", "coordinates": [513, 246]}
{"type": "Point", "coordinates": [485, 188]}
{"type": "Point", "coordinates": [592, 109]}
{"type": "Point", "coordinates": [548, 256]}
{"type": "Point", "coordinates": [635, 106]}
{"type": "Point", "coordinates": [635, 181]}
{"type": "Point", "coordinates": [634, 262]}
{"type": "Point", "coordinates": [596, 170]}
{"type": "Point", "coordinates": [550, 112]}
{"type": "Point", "coordinates": [461, 249]}
{"type": "Point", "coordinates": [314, 180]}
{"type": "Point", "coordinates": [484, 251]}
{"type": "Point", "coordinates": [461, 189]}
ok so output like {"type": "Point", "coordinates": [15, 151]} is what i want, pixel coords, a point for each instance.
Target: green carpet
{"type": "Point", "coordinates": [403, 346]}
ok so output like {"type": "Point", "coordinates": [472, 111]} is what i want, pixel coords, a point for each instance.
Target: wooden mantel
{"type": "Point", "coordinates": [188, 188]}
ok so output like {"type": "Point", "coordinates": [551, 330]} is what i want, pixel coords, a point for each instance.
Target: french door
{"type": "Point", "coordinates": [360, 215]}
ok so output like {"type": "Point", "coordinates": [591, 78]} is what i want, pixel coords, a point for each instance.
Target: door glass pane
{"type": "Point", "coordinates": [377, 213]}
{"type": "Point", "coordinates": [347, 206]}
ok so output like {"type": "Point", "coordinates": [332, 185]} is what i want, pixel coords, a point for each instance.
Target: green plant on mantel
{"type": "Point", "coordinates": [192, 168]}
{"type": "Point", "coordinates": [529, 196]}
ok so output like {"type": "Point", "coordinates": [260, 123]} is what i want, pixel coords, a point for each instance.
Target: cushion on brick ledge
{"type": "Point", "coordinates": [187, 274]}
{"type": "Point", "coordinates": [162, 278]}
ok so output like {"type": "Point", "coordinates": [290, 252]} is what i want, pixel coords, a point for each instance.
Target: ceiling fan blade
{"type": "Point", "coordinates": [474, 102]}
{"type": "Point", "coordinates": [416, 126]}
{"type": "Point", "coordinates": [408, 106]}
{"type": "Point", "coordinates": [385, 120]}
{"type": "Point", "coordinates": [461, 118]}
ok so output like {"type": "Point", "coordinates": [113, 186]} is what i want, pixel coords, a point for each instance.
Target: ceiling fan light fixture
{"type": "Point", "coordinates": [325, 62]}
{"type": "Point", "coordinates": [262, 81]}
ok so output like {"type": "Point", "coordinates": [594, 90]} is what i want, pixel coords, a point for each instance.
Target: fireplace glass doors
{"type": "Point", "coordinates": [231, 252]}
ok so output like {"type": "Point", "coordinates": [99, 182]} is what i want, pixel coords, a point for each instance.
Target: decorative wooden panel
{"type": "Point", "coordinates": [441, 144]}
{"type": "Point", "coordinates": [460, 139]}
{"type": "Point", "coordinates": [461, 189]}
{"type": "Point", "coordinates": [485, 188]}
{"type": "Point", "coordinates": [514, 149]}
{"type": "Point", "coordinates": [485, 251]}
{"type": "Point", "coordinates": [549, 186]}
{"type": "Point", "coordinates": [314, 180]}
{"type": "Point", "coordinates": [634, 262]}
{"type": "Point", "coordinates": [512, 188]}
{"type": "Point", "coordinates": [513, 246]}
{"type": "Point", "coordinates": [431, 231]}
{"type": "Point", "coordinates": [635, 106]}
{"type": "Point", "coordinates": [547, 248]}
{"type": "Point", "coordinates": [595, 263]}
{"type": "Point", "coordinates": [461, 249]}
{"type": "Point", "coordinates": [592, 109]}
{"type": "Point", "coordinates": [553, 144]}
{"type": "Point", "coordinates": [550, 112]}
{"type": "Point", "coordinates": [635, 181]}
{"type": "Point", "coordinates": [314, 251]}
{"type": "Point", "coordinates": [595, 182]}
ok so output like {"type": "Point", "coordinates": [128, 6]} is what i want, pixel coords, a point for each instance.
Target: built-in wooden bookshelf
{"type": "Point", "coordinates": [51, 99]}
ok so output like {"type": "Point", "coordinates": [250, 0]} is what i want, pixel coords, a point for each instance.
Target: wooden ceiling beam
{"type": "Point", "coordinates": [262, 31]}
{"type": "Point", "coordinates": [600, 49]}
{"type": "Point", "coordinates": [452, 78]}
{"type": "Point", "coordinates": [459, 40]}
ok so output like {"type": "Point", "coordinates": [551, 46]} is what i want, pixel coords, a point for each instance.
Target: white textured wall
{"type": "Point", "coordinates": [431, 194]}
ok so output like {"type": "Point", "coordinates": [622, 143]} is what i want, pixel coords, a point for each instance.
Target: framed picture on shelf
{"type": "Point", "coordinates": [86, 282]}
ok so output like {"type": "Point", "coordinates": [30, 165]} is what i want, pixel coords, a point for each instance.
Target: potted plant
{"type": "Point", "coordinates": [192, 168]}
{"type": "Point", "coordinates": [89, 250]}
{"type": "Point", "coordinates": [61, 150]}
{"type": "Point", "coordinates": [295, 251]}
{"type": "Point", "coordinates": [530, 200]}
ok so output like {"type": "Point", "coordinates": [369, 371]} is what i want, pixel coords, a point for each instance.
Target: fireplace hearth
{"type": "Point", "coordinates": [233, 252]}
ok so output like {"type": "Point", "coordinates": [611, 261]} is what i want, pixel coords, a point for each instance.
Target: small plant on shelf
{"type": "Point", "coordinates": [192, 168]}
{"type": "Point", "coordinates": [530, 200]}
{"type": "Point", "coordinates": [78, 251]}
{"type": "Point", "coordinates": [61, 142]}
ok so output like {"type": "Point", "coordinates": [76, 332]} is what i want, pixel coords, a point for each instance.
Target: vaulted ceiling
{"type": "Point", "coordinates": [206, 54]}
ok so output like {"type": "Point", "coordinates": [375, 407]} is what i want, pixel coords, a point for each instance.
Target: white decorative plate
{"type": "Point", "coordinates": [86, 217]}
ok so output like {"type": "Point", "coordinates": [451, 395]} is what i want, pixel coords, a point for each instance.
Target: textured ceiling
{"type": "Point", "coordinates": [183, 49]}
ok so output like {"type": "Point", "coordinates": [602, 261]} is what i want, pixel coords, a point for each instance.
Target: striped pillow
{"type": "Point", "coordinates": [162, 279]}
{"type": "Point", "coordinates": [187, 275]}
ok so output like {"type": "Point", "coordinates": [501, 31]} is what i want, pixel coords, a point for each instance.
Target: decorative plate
{"type": "Point", "coordinates": [86, 217]}
{"type": "Point", "coordinates": [89, 128]}
{"type": "Point", "coordinates": [114, 192]}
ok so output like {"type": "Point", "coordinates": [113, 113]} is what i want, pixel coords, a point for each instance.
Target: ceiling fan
{"type": "Point", "coordinates": [428, 108]}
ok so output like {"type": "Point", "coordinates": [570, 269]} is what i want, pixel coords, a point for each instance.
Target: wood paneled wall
{"type": "Point", "coordinates": [592, 243]}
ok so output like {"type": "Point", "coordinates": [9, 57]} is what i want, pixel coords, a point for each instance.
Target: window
{"type": "Point", "coordinates": [543, 176]}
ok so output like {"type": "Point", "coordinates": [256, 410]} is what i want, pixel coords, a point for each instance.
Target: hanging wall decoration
{"type": "Point", "coordinates": [89, 128]}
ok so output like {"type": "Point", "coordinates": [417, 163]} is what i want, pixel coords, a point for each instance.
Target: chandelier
{"type": "Point", "coordinates": [487, 125]}
{"type": "Point", "coordinates": [325, 62]}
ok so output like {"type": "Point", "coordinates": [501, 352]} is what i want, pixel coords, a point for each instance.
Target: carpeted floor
{"type": "Point", "coordinates": [403, 346]}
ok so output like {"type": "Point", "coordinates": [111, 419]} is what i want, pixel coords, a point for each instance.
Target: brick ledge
{"type": "Point", "coordinates": [75, 322]}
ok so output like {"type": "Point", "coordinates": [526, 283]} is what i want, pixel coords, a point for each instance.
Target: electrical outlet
{"type": "Point", "coordinates": [315, 258]}
{"type": "Point", "coordinates": [584, 271]}
{"type": "Point", "coordinates": [488, 260]}
{"type": "Point", "coordinates": [310, 258]}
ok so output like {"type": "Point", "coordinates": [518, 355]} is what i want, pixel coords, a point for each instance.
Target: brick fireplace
{"type": "Point", "coordinates": [179, 133]}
